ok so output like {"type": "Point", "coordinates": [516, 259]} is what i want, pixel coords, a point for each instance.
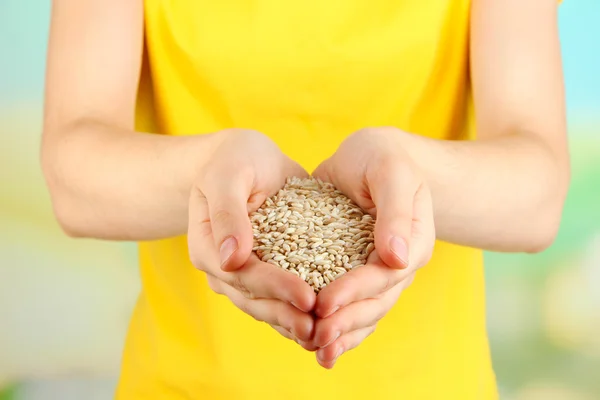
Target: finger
{"type": "Point", "coordinates": [322, 171]}
{"type": "Point", "coordinates": [366, 282]}
{"type": "Point", "coordinates": [215, 284]}
{"type": "Point", "coordinates": [256, 279]}
{"type": "Point", "coordinates": [423, 229]}
{"type": "Point", "coordinates": [294, 169]}
{"type": "Point", "coordinates": [287, 334]}
{"type": "Point", "coordinates": [261, 280]}
{"type": "Point", "coordinates": [228, 211]}
{"type": "Point", "coordinates": [202, 251]}
{"type": "Point", "coordinates": [355, 316]}
{"type": "Point", "coordinates": [393, 185]}
{"type": "Point", "coordinates": [328, 356]}
{"type": "Point", "coordinates": [273, 312]}
{"type": "Point", "coordinates": [284, 332]}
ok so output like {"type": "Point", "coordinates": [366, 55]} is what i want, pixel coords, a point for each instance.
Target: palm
{"type": "Point", "coordinates": [373, 170]}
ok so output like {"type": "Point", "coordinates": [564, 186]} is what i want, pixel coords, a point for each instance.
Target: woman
{"type": "Point", "coordinates": [167, 122]}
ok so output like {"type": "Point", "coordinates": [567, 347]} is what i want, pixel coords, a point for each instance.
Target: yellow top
{"type": "Point", "coordinates": [307, 74]}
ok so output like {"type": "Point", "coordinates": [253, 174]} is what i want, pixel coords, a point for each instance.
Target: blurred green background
{"type": "Point", "coordinates": [65, 304]}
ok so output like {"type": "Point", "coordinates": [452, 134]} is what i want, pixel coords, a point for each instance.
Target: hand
{"type": "Point", "coordinates": [245, 169]}
{"type": "Point", "coordinates": [371, 168]}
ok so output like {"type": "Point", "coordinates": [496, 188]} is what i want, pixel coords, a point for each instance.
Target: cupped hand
{"type": "Point", "coordinates": [245, 169]}
{"type": "Point", "coordinates": [372, 168]}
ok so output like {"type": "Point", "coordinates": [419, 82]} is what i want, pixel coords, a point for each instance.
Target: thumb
{"type": "Point", "coordinates": [322, 171]}
{"type": "Point", "coordinates": [231, 227]}
{"type": "Point", "coordinates": [394, 202]}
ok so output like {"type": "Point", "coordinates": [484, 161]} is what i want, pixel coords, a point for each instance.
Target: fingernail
{"type": "Point", "coordinates": [400, 249]}
{"type": "Point", "coordinates": [320, 356]}
{"type": "Point", "coordinates": [339, 353]}
{"type": "Point", "coordinates": [335, 337]}
{"type": "Point", "coordinates": [333, 310]}
{"type": "Point", "coordinates": [229, 246]}
{"type": "Point", "coordinates": [293, 303]}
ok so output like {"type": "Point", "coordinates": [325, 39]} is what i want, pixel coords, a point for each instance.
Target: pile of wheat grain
{"type": "Point", "coordinates": [312, 230]}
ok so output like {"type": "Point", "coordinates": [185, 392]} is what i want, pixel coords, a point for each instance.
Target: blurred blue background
{"type": "Point", "coordinates": [65, 304]}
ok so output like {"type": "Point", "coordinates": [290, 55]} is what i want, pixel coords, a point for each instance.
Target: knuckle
{"type": "Point", "coordinates": [371, 329]}
{"type": "Point", "coordinates": [248, 294]}
{"type": "Point", "coordinates": [285, 323]}
{"type": "Point", "coordinates": [197, 261]}
{"type": "Point", "coordinates": [244, 306]}
{"type": "Point", "coordinates": [284, 332]}
{"type": "Point", "coordinates": [388, 284]}
{"type": "Point", "coordinates": [220, 216]}
{"type": "Point", "coordinates": [419, 230]}
{"type": "Point", "coordinates": [427, 258]}
{"type": "Point", "coordinates": [391, 279]}
{"type": "Point", "coordinates": [204, 230]}
{"type": "Point", "coordinates": [215, 285]}
{"type": "Point", "coordinates": [238, 284]}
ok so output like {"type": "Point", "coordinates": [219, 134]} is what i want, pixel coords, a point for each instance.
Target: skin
{"type": "Point", "coordinates": [503, 192]}
{"type": "Point", "coordinates": [522, 148]}
{"type": "Point", "coordinates": [103, 176]}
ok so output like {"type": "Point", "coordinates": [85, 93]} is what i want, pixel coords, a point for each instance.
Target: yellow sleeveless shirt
{"type": "Point", "coordinates": [307, 74]}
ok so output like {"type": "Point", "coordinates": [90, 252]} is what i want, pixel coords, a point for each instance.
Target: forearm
{"type": "Point", "coordinates": [501, 194]}
{"type": "Point", "coordinates": [111, 183]}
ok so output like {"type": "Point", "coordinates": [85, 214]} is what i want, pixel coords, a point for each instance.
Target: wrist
{"type": "Point", "coordinates": [191, 154]}
{"type": "Point", "coordinates": [448, 166]}
{"type": "Point", "coordinates": [419, 151]}
{"type": "Point", "coordinates": [437, 161]}
{"type": "Point", "coordinates": [199, 150]}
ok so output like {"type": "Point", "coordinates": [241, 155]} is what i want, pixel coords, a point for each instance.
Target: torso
{"type": "Point", "coordinates": [307, 74]}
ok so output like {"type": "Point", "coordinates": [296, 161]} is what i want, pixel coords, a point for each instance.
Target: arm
{"type": "Point", "coordinates": [108, 181]}
{"type": "Point", "coordinates": [105, 179]}
{"type": "Point", "coordinates": [504, 191]}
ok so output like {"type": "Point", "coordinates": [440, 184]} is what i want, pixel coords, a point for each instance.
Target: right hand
{"type": "Point", "coordinates": [246, 169]}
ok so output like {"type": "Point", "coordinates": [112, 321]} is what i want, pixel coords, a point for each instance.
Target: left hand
{"type": "Point", "coordinates": [372, 168]}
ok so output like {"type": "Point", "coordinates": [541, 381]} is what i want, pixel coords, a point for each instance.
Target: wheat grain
{"type": "Point", "coordinates": [312, 230]}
